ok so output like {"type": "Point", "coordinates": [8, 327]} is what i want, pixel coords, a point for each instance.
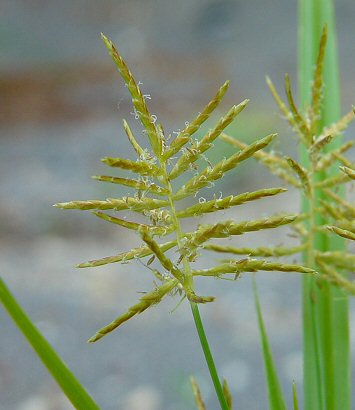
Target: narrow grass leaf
{"type": "Point", "coordinates": [71, 387]}
{"type": "Point", "coordinates": [275, 395]}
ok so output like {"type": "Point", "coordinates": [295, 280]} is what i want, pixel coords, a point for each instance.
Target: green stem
{"type": "Point", "coordinates": [315, 368]}
{"type": "Point", "coordinates": [194, 308]}
{"type": "Point", "coordinates": [325, 308]}
{"type": "Point", "coordinates": [208, 356]}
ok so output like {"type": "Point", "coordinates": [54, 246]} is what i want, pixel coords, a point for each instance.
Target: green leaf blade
{"type": "Point", "coordinates": [326, 322]}
{"type": "Point", "coordinates": [275, 395]}
{"type": "Point", "coordinates": [71, 387]}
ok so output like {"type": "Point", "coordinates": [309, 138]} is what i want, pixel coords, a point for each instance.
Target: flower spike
{"type": "Point", "coordinates": [155, 171]}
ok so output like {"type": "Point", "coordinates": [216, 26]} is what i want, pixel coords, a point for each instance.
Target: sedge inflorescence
{"type": "Point", "coordinates": [320, 182]}
{"type": "Point", "coordinates": [158, 199]}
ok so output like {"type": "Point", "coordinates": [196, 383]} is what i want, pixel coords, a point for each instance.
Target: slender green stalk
{"type": "Point", "coordinates": [208, 356]}
{"type": "Point", "coordinates": [71, 387]}
{"type": "Point", "coordinates": [194, 307]}
{"type": "Point", "coordinates": [325, 309]}
{"type": "Point", "coordinates": [313, 338]}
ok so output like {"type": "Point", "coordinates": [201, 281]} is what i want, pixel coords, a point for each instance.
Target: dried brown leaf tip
{"type": "Point", "coordinates": [227, 394]}
{"type": "Point", "coordinates": [197, 394]}
{"type": "Point", "coordinates": [167, 248]}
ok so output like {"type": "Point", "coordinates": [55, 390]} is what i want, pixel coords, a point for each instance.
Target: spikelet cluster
{"type": "Point", "coordinates": [328, 212]}
{"type": "Point", "coordinates": [158, 197]}
{"type": "Point", "coordinates": [342, 223]}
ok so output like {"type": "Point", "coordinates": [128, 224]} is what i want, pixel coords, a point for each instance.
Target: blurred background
{"type": "Point", "coordinates": [61, 109]}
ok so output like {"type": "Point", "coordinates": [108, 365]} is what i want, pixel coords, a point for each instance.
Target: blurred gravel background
{"type": "Point", "coordinates": [61, 110]}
